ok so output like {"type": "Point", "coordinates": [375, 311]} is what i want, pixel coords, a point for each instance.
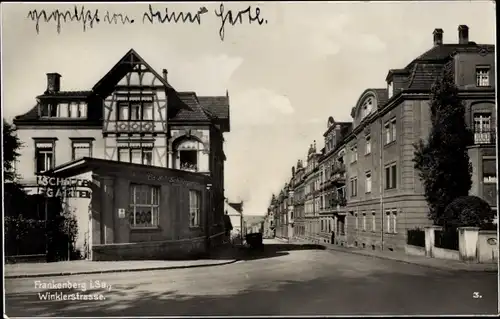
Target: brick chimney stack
{"type": "Point", "coordinates": [53, 82]}
{"type": "Point", "coordinates": [463, 34]}
{"type": "Point", "coordinates": [438, 37]}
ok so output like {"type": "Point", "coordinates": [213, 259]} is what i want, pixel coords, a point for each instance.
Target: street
{"type": "Point", "coordinates": [282, 280]}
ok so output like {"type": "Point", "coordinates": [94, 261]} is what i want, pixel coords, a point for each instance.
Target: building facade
{"type": "Point", "coordinates": [333, 183]}
{"type": "Point", "coordinates": [370, 194]}
{"type": "Point", "coordinates": [311, 193]}
{"type": "Point", "coordinates": [131, 115]}
{"type": "Point", "coordinates": [387, 122]}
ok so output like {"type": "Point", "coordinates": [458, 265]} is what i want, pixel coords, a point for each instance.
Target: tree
{"type": "Point", "coordinates": [470, 211]}
{"type": "Point", "coordinates": [443, 161]}
{"type": "Point", "coordinates": [11, 145]}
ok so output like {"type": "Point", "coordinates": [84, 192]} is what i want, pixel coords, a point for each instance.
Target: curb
{"type": "Point", "coordinates": [444, 268]}
{"type": "Point", "coordinates": [118, 270]}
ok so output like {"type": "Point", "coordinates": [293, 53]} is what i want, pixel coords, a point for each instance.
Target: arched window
{"type": "Point", "coordinates": [367, 107]}
{"type": "Point", "coordinates": [188, 151]}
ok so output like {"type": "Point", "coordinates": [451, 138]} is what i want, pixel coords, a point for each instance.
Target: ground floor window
{"type": "Point", "coordinates": [144, 206]}
{"type": "Point", "coordinates": [194, 208]}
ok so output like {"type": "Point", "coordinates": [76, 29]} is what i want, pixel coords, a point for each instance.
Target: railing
{"type": "Point", "coordinates": [485, 137]}
{"type": "Point", "coordinates": [134, 126]}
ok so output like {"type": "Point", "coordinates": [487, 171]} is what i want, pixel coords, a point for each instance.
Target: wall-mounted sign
{"type": "Point", "coordinates": [121, 212]}
{"type": "Point", "coordinates": [64, 187]}
{"type": "Point", "coordinates": [68, 193]}
{"type": "Point", "coordinates": [492, 241]}
{"type": "Point", "coordinates": [54, 181]}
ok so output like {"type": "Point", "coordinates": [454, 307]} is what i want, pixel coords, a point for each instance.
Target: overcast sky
{"type": "Point", "coordinates": [285, 78]}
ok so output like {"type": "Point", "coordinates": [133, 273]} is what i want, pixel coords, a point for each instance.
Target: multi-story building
{"type": "Point", "coordinates": [333, 182]}
{"type": "Point", "coordinates": [311, 193]}
{"type": "Point", "coordinates": [131, 115]}
{"type": "Point", "coordinates": [385, 193]}
{"type": "Point", "coordinates": [298, 177]}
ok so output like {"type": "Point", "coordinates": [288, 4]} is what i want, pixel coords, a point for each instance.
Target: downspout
{"type": "Point", "coordinates": [381, 183]}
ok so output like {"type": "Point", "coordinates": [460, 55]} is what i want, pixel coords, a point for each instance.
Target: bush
{"type": "Point", "coordinates": [447, 239]}
{"type": "Point", "coordinates": [24, 236]}
{"type": "Point", "coordinates": [416, 237]}
{"type": "Point", "coordinates": [469, 211]}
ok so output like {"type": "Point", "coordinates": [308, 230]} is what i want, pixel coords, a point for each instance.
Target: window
{"type": "Point", "coordinates": [354, 154]}
{"type": "Point", "coordinates": [366, 108]}
{"type": "Point", "coordinates": [390, 176]}
{"type": "Point", "coordinates": [390, 131]}
{"type": "Point", "coordinates": [354, 187]}
{"type": "Point", "coordinates": [356, 221]}
{"type": "Point", "coordinates": [368, 147]}
{"type": "Point", "coordinates": [390, 89]}
{"type": "Point", "coordinates": [81, 149]}
{"type": "Point", "coordinates": [142, 156]}
{"type": "Point", "coordinates": [144, 206]}
{"type": "Point", "coordinates": [482, 128]}
{"type": "Point", "coordinates": [374, 222]}
{"type": "Point", "coordinates": [364, 221]}
{"type": "Point", "coordinates": [388, 221]}
{"type": "Point", "coordinates": [48, 110]}
{"type": "Point", "coordinates": [44, 155]}
{"type": "Point", "coordinates": [394, 221]}
{"type": "Point", "coordinates": [368, 186]}
{"type": "Point", "coordinates": [123, 113]}
{"type": "Point", "coordinates": [482, 76]}
{"type": "Point", "coordinates": [135, 111]}
{"type": "Point", "coordinates": [194, 208]}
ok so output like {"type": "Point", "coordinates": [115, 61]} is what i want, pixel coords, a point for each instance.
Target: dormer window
{"type": "Point", "coordinates": [390, 89]}
{"type": "Point", "coordinates": [64, 110]}
{"type": "Point", "coordinates": [366, 108]}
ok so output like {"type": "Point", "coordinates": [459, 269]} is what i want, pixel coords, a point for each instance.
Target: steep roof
{"type": "Point", "coordinates": [120, 69]}
{"type": "Point", "coordinates": [195, 112]}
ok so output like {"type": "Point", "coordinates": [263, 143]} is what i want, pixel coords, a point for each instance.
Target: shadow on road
{"type": "Point", "coordinates": [267, 251]}
{"type": "Point", "coordinates": [381, 293]}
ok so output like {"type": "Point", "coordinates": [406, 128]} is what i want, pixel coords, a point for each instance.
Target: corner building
{"type": "Point", "coordinates": [385, 196]}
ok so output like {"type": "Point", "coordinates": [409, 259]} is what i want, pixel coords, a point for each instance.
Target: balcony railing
{"type": "Point", "coordinates": [485, 137]}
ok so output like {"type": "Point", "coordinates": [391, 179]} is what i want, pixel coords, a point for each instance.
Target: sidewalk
{"type": "Point", "coordinates": [443, 264]}
{"type": "Point", "coordinates": [80, 267]}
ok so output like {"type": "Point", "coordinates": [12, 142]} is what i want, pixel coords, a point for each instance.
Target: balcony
{"type": "Point", "coordinates": [485, 137]}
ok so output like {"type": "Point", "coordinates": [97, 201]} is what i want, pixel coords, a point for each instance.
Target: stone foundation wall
{"type": "Point", "coordinates": [167, 250]}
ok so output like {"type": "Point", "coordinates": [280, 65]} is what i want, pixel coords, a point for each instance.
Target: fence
{"type": "Point", "coordinates": [447, 239]}
{"type": "Point", "coordinates": [416, 237]}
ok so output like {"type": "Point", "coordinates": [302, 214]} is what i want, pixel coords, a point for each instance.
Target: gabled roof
{"type": "Point", "coordinates": [121, 68]}
{"type": "Point", "coordinates": [231, 210]}
{"type": "Point", "coordinates": [237, 206]}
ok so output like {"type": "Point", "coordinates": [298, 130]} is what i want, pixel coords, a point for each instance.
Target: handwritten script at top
{"type": "Point", "coordinates": [89, 18]}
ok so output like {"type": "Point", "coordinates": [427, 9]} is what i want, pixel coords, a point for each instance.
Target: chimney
{"type": "Point", "coordinates": [293, 171]}
{"type": "Point", "coordinates": [438, 36]}
{"type": "Point", "coordinates": [463, 34]}
{"type": "Point", "coordinates": [53, 82]}
{"type": "Point", "coordinates": [165, 74]}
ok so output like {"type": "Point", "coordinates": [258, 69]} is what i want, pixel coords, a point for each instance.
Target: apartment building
{"type": "Point", "coordinates": [298, 178]}
{"type": "Point", "coordinates": [385, 194]}
{"type": "Point", "coordinates": [332, 182]}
